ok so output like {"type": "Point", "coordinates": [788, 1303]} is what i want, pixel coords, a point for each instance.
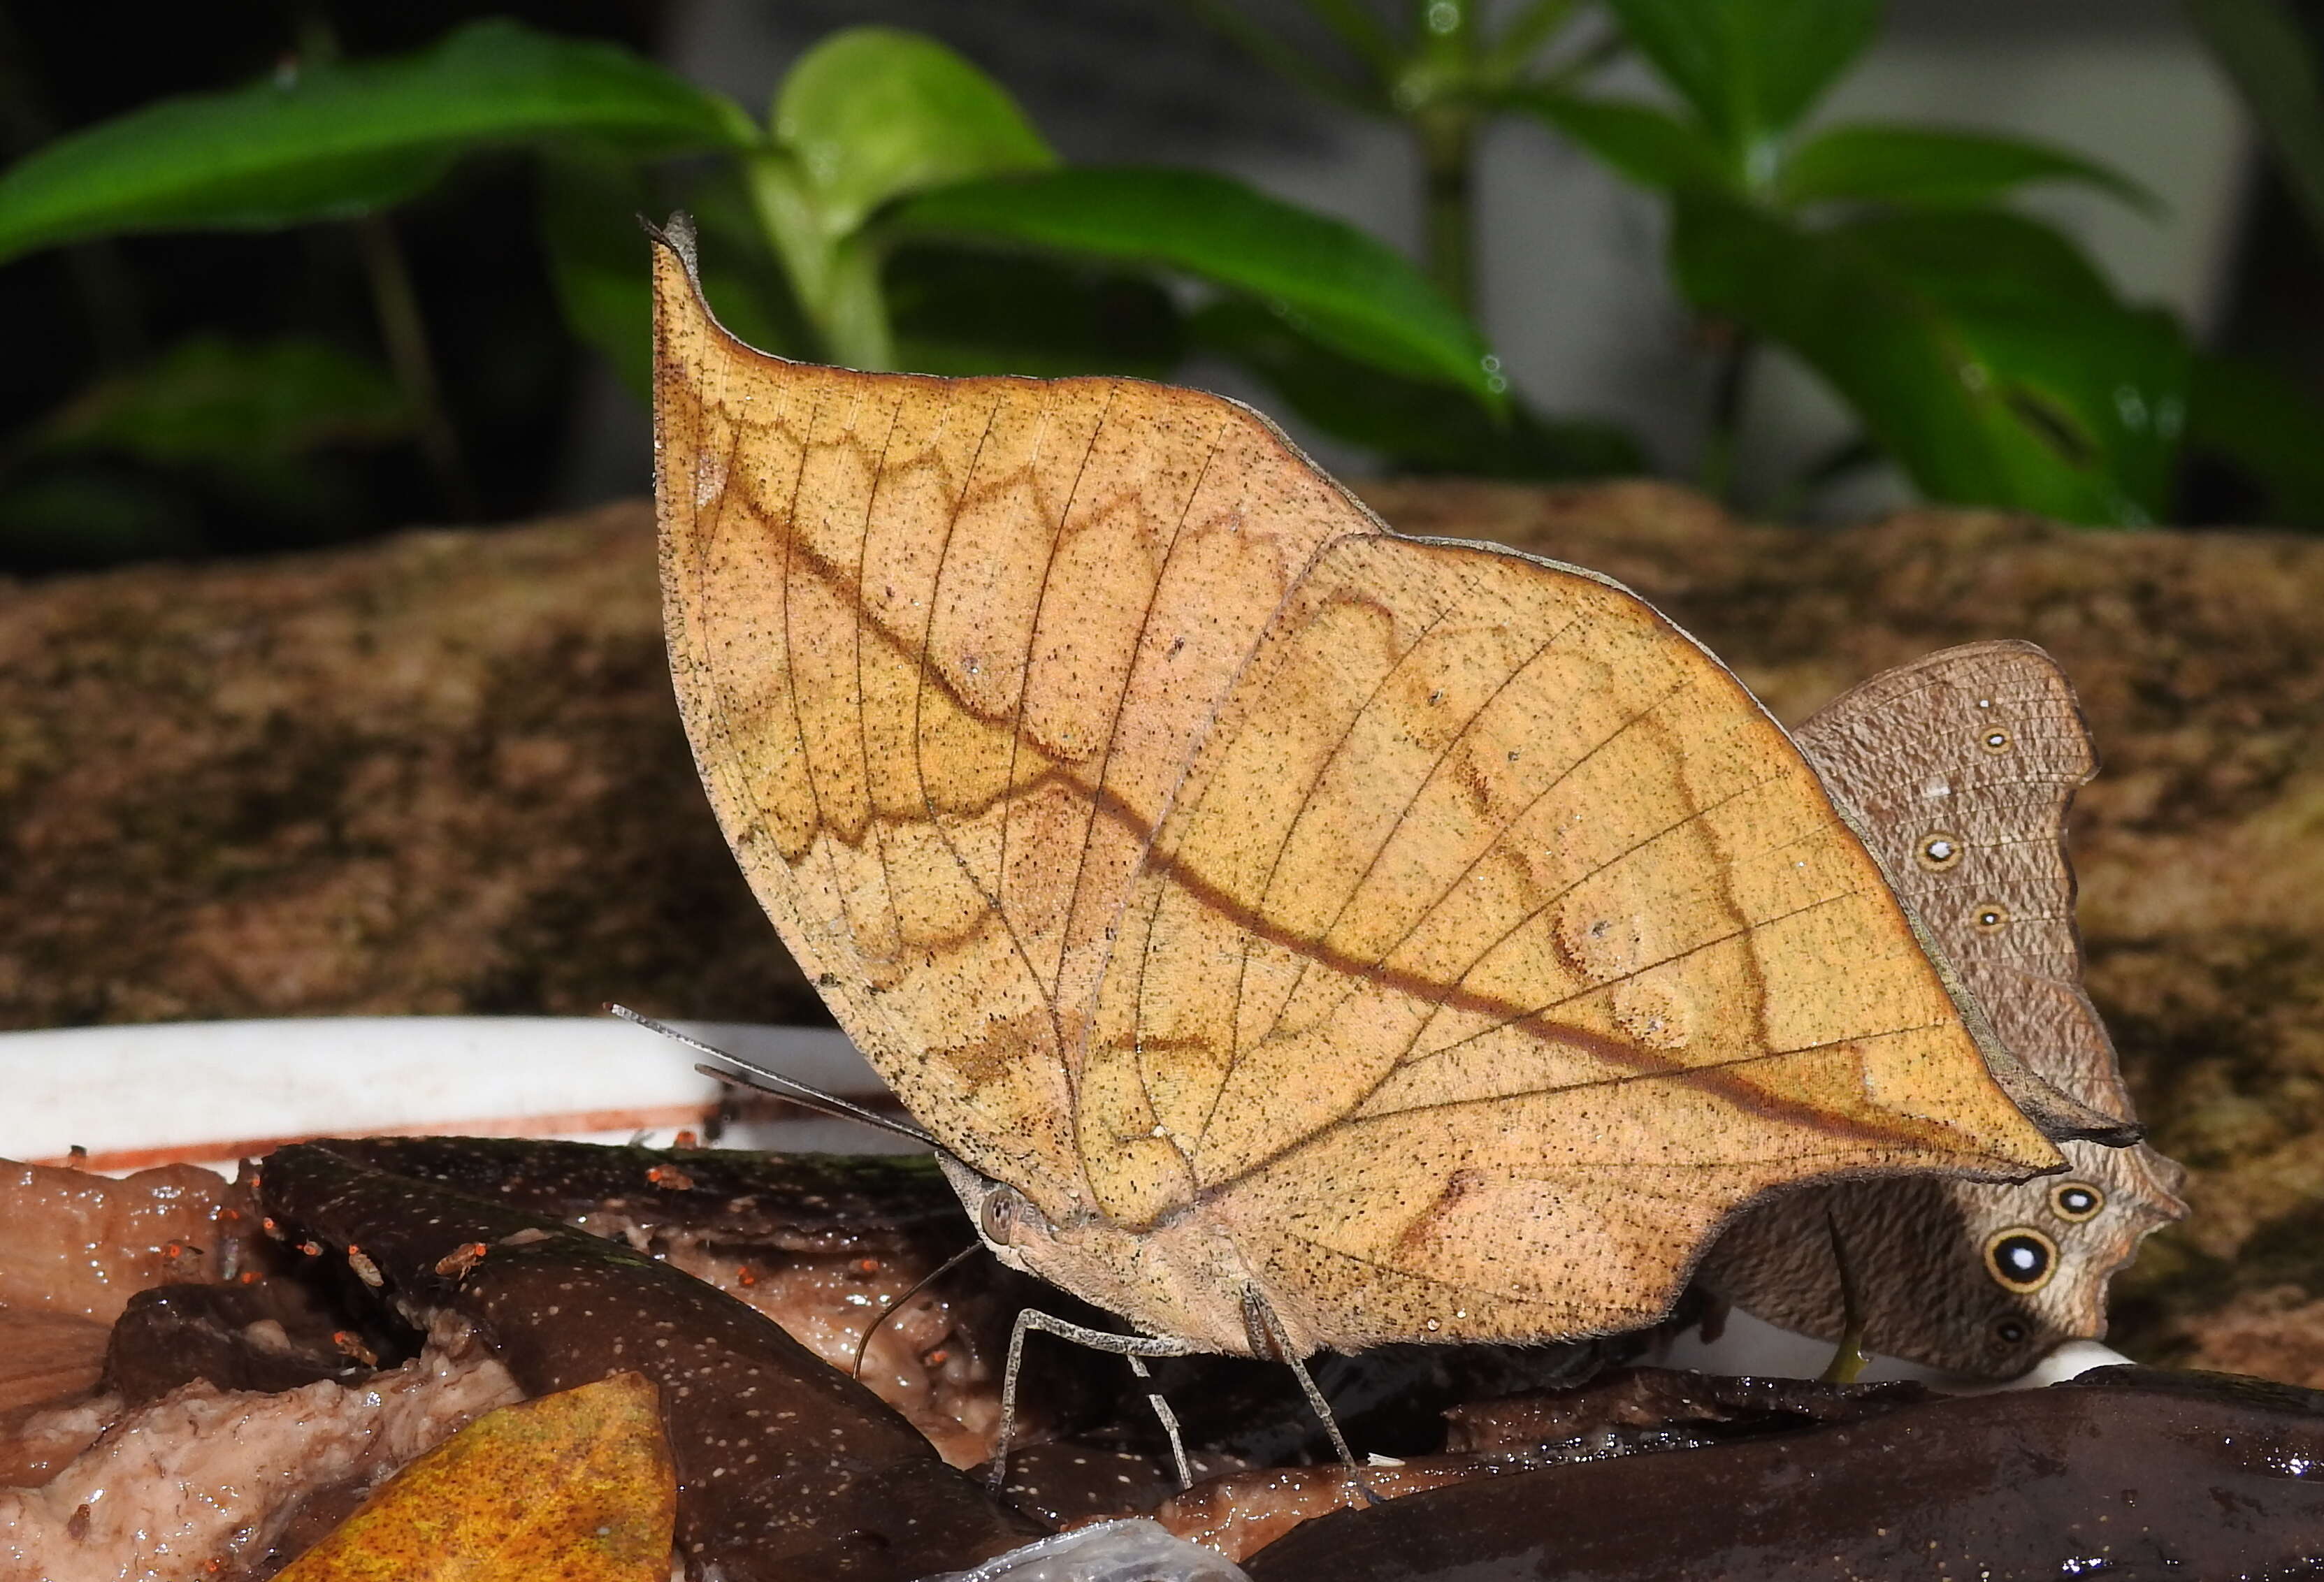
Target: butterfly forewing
{"type": "Point", "coordinates": [1497, 936]}
{"type": "Point", "coordinates": [1443, 923]}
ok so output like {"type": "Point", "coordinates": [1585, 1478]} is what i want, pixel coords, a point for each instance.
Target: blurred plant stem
{"type": "Point", "coordinates": [1433, 91]}
{"type": "Point", "coordinates": [403, 327]}
{"type": "Point", "coordinates": [1443, 77]}
{"type": "Point", "coordinates": [1448, 143]}
{"type": "Point", "coordinates": [108, 295]}
{"type": "Point", "coordinates": [404, 333]}
{"type": "Point", "coordinates": [1730, 383]}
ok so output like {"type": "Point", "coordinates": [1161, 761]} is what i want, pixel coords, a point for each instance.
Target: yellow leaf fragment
{"type": "Point", "coordinates": [573, 1487]}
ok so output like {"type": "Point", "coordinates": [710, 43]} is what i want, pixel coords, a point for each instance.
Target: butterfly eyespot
{"type": "Point", "coordinates": [2011, 1331]}
{"type": "Point", "coordinates": [1994, 741]}
{"type": "Point", "coordinates": [2076, 1201]}
{"type": "Point", "coordinates": [2021, 1259]}
{"type": "Point", "coordinates": [1990, 917]}
{"type": "Point", "coordinates": [999, 1215]}
{"type": "Point", "coordinates": [1940, 850]}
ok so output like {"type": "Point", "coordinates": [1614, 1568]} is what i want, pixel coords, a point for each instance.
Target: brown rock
{"type": "Point", "coordinates": [436, 774]}
{"type": "Point", "coordinates": [442, 774]}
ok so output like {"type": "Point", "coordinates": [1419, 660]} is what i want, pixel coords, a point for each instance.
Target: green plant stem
{"type": "Point", "coordinates": [1437, 91]}
{"type": "Point", "coordinates": [1448, 136]}
{"type": "Point", "coordinates": [402, 328]}
{"type": "Point", "coordinates": [854, 319]}
{"type": "Point", "coordinates": [107, 292]}
{"type": "Point", "coordinates": [404, 334]}
{"type": "Point", "coordinates": [1728, 384]}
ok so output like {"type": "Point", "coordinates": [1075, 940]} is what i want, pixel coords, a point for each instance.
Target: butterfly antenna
{"type": "Point", "coordinates": [855, 1369]}
{"type": "Point", "coordinates": [750, 1074]}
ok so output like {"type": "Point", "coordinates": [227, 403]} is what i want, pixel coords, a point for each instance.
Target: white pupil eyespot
{"type": "Point", "coordinates": [1995, 741]}
{"type": "Point", "coordinates": [1940, 850]}
{"type": "Point", "coordinates": [2076, 1200]}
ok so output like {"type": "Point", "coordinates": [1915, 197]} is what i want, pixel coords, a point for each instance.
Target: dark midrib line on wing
{"type": "Point", "coordinates": [1445, 991]}
{"type": "Point", "coordinates": [1634, 1079]}
{"type": "Point", "coordinates": [1274, 865]}
{"type": "Point", "coordinates": [1445, 895]}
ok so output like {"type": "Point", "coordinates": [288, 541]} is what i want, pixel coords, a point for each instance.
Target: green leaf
{"type": "Point", "coordinates": [338, 140]}
{"type": "Point", "coordinates": [1650, 146]}
{"type": "Point", "coordinates": [212, 402]}
{"type": "Point", "coordinates": [1342, 287]}
{"type": "Point", "coordinates": [589, 201]}
{"type": "Point", "coordinates": [77, 519]}
{"type": "Point", "coordinates": [740, 276]}
{"type": "Point", "coordinates": [1412, 426]}
{"type": "Point", "coordinates": [1751, 68]}
{"type": "Point", "coordinates": [873, 113]}
{"type": "Point", "coordinates": [2268, 427]}
{"type": "Point", "coordinates": [1930, 165]}
{"type": "Point", "coordinates": [962, 311]}
{"type": "Point", "coordinates": [1979, 350]}
{"type": "Point", "coordinates": [1985, 253]}
{"type": "Point", "coordinates": [2271, 59]}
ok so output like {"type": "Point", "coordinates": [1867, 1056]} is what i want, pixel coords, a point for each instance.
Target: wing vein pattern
{"type": "Point", "coordinates": [1182, 845]}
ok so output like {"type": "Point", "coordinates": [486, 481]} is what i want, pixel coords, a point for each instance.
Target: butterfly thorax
{"type": "Point", "coordinates": [1182, 1278]}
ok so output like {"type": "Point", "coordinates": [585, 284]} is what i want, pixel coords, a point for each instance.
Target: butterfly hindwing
{"type": "Point", "coordinates": [1961, 768]}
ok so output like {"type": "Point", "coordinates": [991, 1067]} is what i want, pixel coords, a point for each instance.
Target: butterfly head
{"type": "Point", "coordinates": [1006, 1220]}
{"type": "Point", "coordinates": [1182, 1279]}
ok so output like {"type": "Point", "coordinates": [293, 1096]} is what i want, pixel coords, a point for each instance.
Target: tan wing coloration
{"type": "Point", "coordinates": [1432, 939]}
{"type": "Point", "coordinates": [1961, 767]}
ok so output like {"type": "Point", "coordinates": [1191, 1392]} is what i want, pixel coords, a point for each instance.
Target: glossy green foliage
{"type": "Point", "coordinates": [898, 210]}
{"type": "Point", "coordinates": [1977, 348]}
{"type": "Point", "coordinates": [325, 141]}
{"type": "Point", "coordinates": [1341, 287]}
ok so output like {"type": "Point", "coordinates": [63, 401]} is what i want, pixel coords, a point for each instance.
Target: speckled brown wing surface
{"type": "Point", "coordinates": [1176, 841]}
{"type": "Point", "coordinates": [1961, 767]}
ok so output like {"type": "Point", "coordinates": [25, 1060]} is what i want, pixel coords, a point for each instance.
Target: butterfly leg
{"type": "Point", "coordinates": [1169, 1418]}
{"type": "Point", "coordinates": [1134, 1347]}
{"type": "Point", "coordinates": [1263, 1324]}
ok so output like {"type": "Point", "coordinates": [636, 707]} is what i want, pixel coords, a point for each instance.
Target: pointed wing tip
{"type": "Point", "coordinates": [2105, 1133]}
{"type": "Point", "coordinates": [679, 299]}
{"type": "Point", "coordinates": [679, 235]}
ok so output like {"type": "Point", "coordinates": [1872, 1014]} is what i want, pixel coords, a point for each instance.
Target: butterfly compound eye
{"type": "Point", "coordinates": [2022, 1259]}
{"type": "Point", "coordinates": [2075, 1200]}
{"type": "Point", "coordinates": [998, 1218]}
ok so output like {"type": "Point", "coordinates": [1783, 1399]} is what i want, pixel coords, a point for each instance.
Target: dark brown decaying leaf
{"type": "Point", "coordinates": [841, 1486]}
